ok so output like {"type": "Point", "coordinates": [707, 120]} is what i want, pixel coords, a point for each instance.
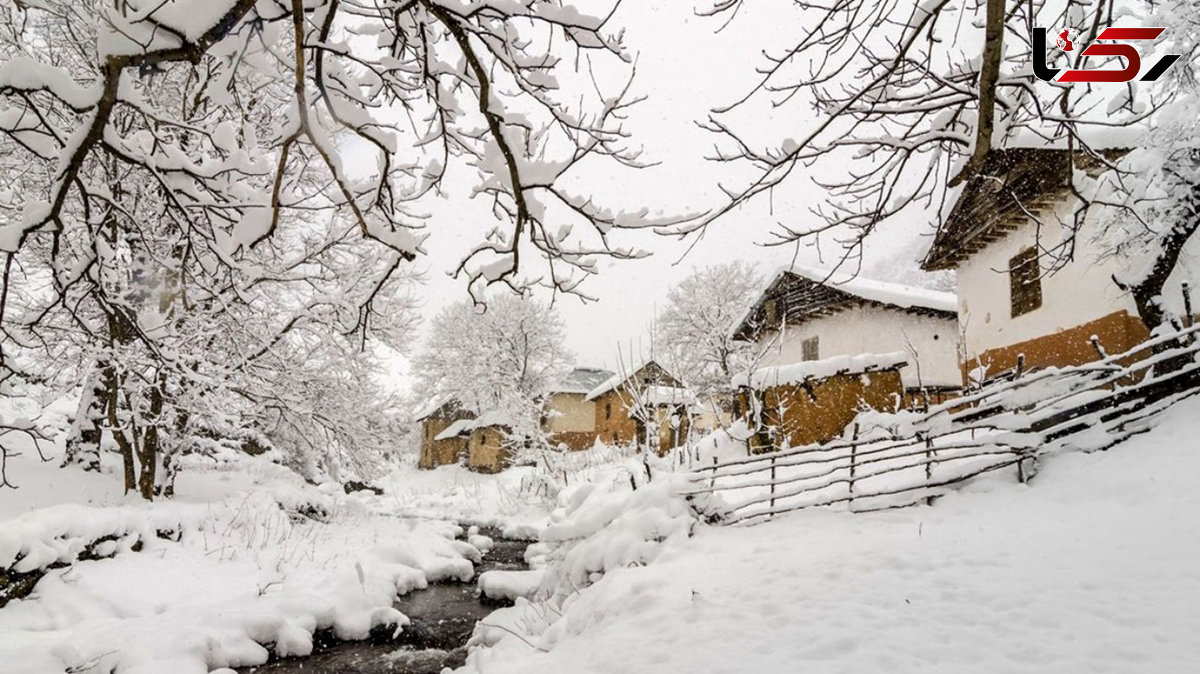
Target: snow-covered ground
{"type": "Point", "coordinates": [262, 558]}
{"type": "Point", "coordinates": [1092, 567]}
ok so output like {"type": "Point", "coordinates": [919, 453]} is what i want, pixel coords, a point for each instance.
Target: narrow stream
{"type": "Point", "coordinates": [443, 617]}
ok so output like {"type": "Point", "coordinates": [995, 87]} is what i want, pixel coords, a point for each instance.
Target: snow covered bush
{"type": "Point", "coordinates": [603, 528]}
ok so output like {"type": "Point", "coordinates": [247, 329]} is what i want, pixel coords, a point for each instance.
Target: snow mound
{"type": "Point", "coordinates": [604, 527]}
{"type": "Point", "coordinates": [243, 575]}
{"type": "Point", "coordinates": [510, 584]}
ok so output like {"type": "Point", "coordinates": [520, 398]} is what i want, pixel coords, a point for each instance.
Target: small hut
{"type": "Point", "coordinates": [813, 402]}
{"type": "Point", "coordinates": [627, 406]}
{"type": "Point", "coordinates": [807, 314]}
{"type": "Point", "coordinates": [488, 442]}
{"type": "Point", "coordinates": [443, 439]}
{"type": "Point", "coordinates": [570, 418]}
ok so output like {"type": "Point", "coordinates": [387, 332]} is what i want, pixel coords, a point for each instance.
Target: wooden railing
{"type": "Point", "coordinates": [900, 459]}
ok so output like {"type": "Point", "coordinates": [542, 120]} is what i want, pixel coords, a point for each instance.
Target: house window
{"type": "Point", "coordinates": [1025, 282]}
{"type": "Point", "coordinates": [811, 349]}
{"type": "Point", "coordinates": [607, 410]}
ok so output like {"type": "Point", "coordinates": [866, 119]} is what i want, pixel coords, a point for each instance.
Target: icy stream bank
{"type": "Point", "coordinates": [443, 617]}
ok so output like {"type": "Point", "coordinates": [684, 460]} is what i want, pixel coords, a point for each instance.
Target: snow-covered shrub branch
{"type": "Point", "coordinates": [205, 207]}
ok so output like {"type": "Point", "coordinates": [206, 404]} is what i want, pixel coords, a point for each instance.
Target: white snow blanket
{"type": "Point", "coordinates": [268, 563]}
{"type": "Point", "coordinates": [1092, 567]}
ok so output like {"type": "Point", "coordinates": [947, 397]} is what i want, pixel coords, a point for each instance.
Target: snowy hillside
{"type": "Point", "coordinates": [1089, 568]}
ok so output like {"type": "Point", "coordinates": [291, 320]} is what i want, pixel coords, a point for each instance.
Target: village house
{"type": "Point", "coordinates": [442, 439]}
{"type": "Point", "coordinates": [1003, 238]}
{"type": "Point", "coordinates": [626, 405]}
{"type": "Point", "coordinates": [830, 345]}
{"type": "Point", "coordinates": [488, 446]}
{"type": "Point", "coordinates": [570, 418]}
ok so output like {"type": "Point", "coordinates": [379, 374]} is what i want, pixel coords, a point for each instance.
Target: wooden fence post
{"type": "Point", "coordinates": [1188, 322]}
{"type": "Point", "coordinates": [929, 461]}
{"type": "Point", "coordinates": [772, 487]}
{"type": "Point", "coordinates": [853, 465]}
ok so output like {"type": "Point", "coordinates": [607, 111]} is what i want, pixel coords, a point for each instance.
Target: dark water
{"type": "Point", "coordinates": [443, 617]}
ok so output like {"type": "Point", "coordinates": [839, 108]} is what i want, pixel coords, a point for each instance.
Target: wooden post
{"type": "Point", "coordinates": [772, 486]}
{"type": "Point", "coordinates": [853, 464]}
{"type": "Point", "coordinates": [1020, 468]}
{"type": "Point", "coordinates": [929, 459]}
{"type": "Point", "coordinates": [1111, 387]}
{"type": "Point", "coordinates": [712, 480]}
{"type": "Point", "coordinates": [1020, 365]}
{"type": "Point", "coordinates": [1188, 320]}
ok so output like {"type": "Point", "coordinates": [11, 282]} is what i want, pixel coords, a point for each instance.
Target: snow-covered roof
{"type": "Point", "coordinates": [492, 418]}
{"type": "Point", "coordinates": [667, 395]}
{"type": "Point", "coordinates": [1013, 182]}
{"type": "Point", "coordinates": [460, 427]}
{"type": "Point", "coordinates": [796, 373]}
{"type": "Point", "coordinates": [616, 379]}
{"type": "Point", "coordinates": [812, 291]}
{"type": "Point", "coordinates": [581, 380]}
{"type": "Point", "coordinates": [433, 405]}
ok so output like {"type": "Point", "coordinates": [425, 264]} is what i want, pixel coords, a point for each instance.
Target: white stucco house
{"type": "Point", "coordinates": [1018, 298]}
{"type": "Point", "coordinates": [809, 314]}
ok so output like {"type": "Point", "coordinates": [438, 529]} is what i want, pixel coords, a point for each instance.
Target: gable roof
{"type": "Point", "coordinates": [443, 407]}
{"type": "Point", "coordinates": [497, 417]}
{"type": "Point", "coordinates": [460, 427]}
{"type": "Point", "coordinates": [581, 380]}
{"type": "Point", "coordinates": [1011, 183]}
{"type": "Point", "coordinates": [804, 293]}
{"type": "Point", "coordinates": [659, 374]}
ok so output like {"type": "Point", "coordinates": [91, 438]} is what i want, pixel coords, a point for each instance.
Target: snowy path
{"type": "Point", "coordinates": [1094, 567]}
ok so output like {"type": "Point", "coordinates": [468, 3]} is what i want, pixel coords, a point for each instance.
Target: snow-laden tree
{"type": "Point", "coordinates": [695, 328]}
{"type": "Point", "coordinates": [495, 357]}
{"type": "Point", "coordinates": [203, 205]}
{"type": "Point", "coordinates": [893, 105]}
{"type": "Point", "coordinates": [1155, 197]}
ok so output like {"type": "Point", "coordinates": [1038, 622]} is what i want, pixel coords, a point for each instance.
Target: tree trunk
{"type": "Point", "coordinates": [113, 400]}
{"type": "Point", "coordinates": [989, 75]}
{"type": "Point", "coordinates": [1147, 294]}
{"type": "Point", "coordinates": [148, 453]}
{"type": "Point", "coordinates": [83, 441]}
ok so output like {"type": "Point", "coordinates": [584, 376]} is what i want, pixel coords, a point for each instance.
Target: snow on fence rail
{"type": "Point", "coordinates": [901, 459]}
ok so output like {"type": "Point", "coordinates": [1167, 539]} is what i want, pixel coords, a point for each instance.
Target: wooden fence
{"type": "Point", "coordinates": [900, 459]}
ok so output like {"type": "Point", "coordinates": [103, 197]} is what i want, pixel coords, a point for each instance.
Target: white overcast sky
{"type": "Point", "coordinates": [684, 68]}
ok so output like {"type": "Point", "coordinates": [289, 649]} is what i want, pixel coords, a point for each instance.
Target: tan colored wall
{"type": "Point", "coordinates": [821, 412]}
{"type": "Point", "coordinates": [669, 438]}
{"type": "Point", "coordinates": [574, 414]}
{"type": "Point", "coordinates": [574, 425]}
{"type": "Point", "coordinates": [1118, 332]}
{"type": "Point", "coordinates": [486, 452]}
{"type": "Point", "coordinates": [436, 453]}
{"type": "Point", "coordinates": [617, 427]}
{"type": "Point", "coordinates": [576, 442]}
